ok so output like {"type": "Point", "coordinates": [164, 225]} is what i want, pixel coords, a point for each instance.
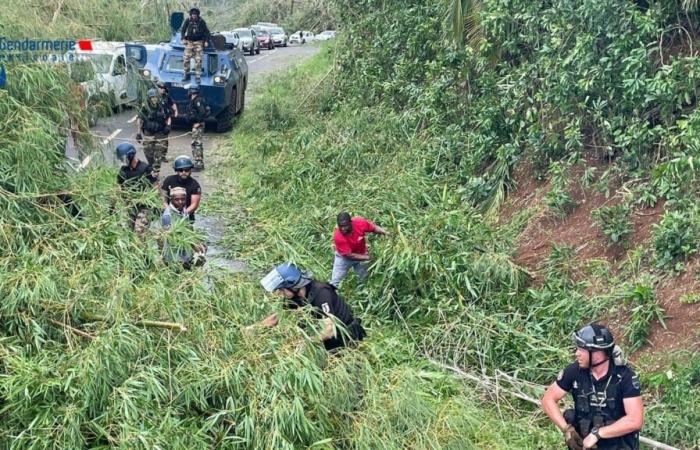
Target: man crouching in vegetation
{"type": "Point", "coordinates": [608, 410]}
{"type": "Point", "coordinates": [350, 247]}
{"type": "Point", "coordinates": [300, 290]}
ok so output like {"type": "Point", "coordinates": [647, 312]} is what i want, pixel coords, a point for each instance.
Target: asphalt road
{"type": "Point", "coordinates": [111, 131]}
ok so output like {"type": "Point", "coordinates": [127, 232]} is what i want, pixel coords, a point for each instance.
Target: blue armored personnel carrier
{"type": "Point", "coordinates": [223, 82]}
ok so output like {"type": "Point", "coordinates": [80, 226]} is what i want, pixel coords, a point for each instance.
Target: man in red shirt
{"type": "Point", "coordinates": [350, 247]}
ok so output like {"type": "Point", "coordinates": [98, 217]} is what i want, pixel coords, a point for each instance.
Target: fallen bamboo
{"type": "Point", "coordinates": [73, 330]}
{"type": "Point", "coordinates": [143, 323]}
{"type": "Point", "coordinates": [157, 324]}
{"type": "Point", "coordinates": [489, 384]}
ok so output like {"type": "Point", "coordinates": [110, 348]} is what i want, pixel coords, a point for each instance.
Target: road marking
{"type": "Point", "coordinates": [111, 136]}
{"type": "Point", "coordinates": [269, 52]}
{"type": "Point", "coordinates": [132, 120]}
{"type": "Point", "coordinates": [85, 162]}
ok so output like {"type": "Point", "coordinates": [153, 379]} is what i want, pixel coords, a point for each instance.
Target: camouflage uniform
{"type": "Point", "coordinates": [154, 119]}
{"type": "Point", "coordinates": [197, 148]}
{"type": "Point", "coordinates": [194, 34]}
{"type": "Point", "coordinates": [198, 112]}
{"type": "Point", "coordinates": [155, 147]}
{"type": "Point", "coordinates": [195, 49]}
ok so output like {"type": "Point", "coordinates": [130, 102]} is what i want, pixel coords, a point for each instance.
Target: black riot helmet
{"type": "Point", "coordinates": [594, 337]}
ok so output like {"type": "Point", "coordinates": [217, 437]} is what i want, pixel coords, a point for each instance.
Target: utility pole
{"type": "Point", "coordinates": [291, 8]}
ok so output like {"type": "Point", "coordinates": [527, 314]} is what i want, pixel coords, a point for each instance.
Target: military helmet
{"type": "Point", "coordinates": [194, 88]}
{"type": "Point", "coordinates": [285, 276]}
{"type": "Point", "coordinates": [125, 152]}
{"type": "Point", "coordinates": [194, 10]}
{"type": "Point", "coordinates": [183, 162]}
{"type": "Point", "coordinates": [594, 337]}
{"type": "Point", "coordinates": [152, 93]}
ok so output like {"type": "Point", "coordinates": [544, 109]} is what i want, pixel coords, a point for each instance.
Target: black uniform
{"type": "Point", "coordinates": [198, 110]}
{"type": "Point", "coordinates": [167, 102]}
{"type": "Point", "coordinates": [141, 178]}
{"type": "Point", "coordinates": [600, 402]}
{"type": "Point", "coordinates": [195, 30]}
{"type": "Point", "coordinates": [325, 302]}
{"type": "Point", "coordinates": [190, 184]}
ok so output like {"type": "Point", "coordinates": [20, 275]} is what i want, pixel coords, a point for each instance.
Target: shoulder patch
{"type": "Point", "coordinates": [561, 375]}
{"type": "Point", "coordinates": [635, 382]}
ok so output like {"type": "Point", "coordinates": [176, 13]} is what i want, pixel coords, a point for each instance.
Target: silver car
{"type": "Point", "coordinates": [248, 41]}
{"type": "Point", "coordinates": [279, 36]}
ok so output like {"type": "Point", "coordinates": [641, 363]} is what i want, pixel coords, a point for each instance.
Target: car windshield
{"type": "Point", "coordinates": [263, 33]}
{"type": "Point", "coordinates": [276, 31]}
{"type": "Point", "coordinates": [100, 62]}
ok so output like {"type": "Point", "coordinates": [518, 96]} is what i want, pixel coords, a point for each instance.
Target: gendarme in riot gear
{"type": "Point", "coordinates": [608, 410]}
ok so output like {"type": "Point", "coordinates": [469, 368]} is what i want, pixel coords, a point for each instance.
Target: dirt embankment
{"type": "Point", "coordinates": [579, 231]}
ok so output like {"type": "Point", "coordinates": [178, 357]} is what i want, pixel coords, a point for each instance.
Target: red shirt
{"type": "Point", "coordinates": [355, 241]}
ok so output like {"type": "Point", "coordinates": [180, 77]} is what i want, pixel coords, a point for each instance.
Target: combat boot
{"type": "Point", "coordinates": [186, 77]}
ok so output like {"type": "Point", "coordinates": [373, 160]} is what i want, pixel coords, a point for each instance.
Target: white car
{"type": "Point", "coordinates": [301, 37]}
{"type": "Point", "coordinates": [108, 60]}
{"type": "Point", "coordinates": [328, 34]}
{"type": "Point", "coordinates": [233, 40]}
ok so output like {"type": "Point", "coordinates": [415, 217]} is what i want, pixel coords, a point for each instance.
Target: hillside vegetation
{"type": "Point", "coordinates": [104, 346]}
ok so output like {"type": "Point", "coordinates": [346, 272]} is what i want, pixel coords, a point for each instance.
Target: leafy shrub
{"type": "Point", "coordinates": [675, 237]}
{"type": "Point", "coordinates": [558, 199]}
{"type": "Point", "coordinates": [614, 221]}
{"type": "Point", "coordinates": [643, 310]}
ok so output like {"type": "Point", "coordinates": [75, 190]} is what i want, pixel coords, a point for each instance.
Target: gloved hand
{"type": "Point", "coordinates": [139, 137]}
{"type": "Point", "coordinates": [572, 438]}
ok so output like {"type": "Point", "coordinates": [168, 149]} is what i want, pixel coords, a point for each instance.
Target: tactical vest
{"type": "Point", "coordinates": [596, 407]}
{"type": "Point", "coordinates": [195, 30]}
{"type": "Point", "coordinates": [199, 110]}
{"type": "Point", "coordinates": [155, 119]}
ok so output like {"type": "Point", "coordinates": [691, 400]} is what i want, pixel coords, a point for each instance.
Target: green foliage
{"type": "Point", "coordinates": [558, 198]}
{"type": "Point", "coordinates": [614, 221]}
{"type": "Point", "coordinates": [643, 311]}
{"type": "Point", "coordinates": [675, 237]}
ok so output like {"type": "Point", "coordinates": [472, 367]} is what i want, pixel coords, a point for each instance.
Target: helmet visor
{"type": "Point", "coordinates": [272, 281]}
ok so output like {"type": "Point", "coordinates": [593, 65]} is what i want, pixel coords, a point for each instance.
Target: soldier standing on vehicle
{"type": "Point", "coordinates": [135, 176]}
{"type": "Point", "coordinates": [171, 107]}
{"type": "Point", "coordinates": [608, 410]}
{"type": "Point", "coordinates": [183, 178]}
{"type": "Point", "coordinates": [300, 290]}
{"type": "Point", "coordinates": [198, 111]}
{"type": "Point", "coordinates": [350, 247]}
{"type": "Point", "coordinates": [154, 127]}
{"type": "Point", "coordinates": [195, 36]}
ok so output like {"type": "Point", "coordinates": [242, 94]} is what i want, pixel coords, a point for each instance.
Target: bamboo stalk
{"type": "Point", "coordinates": [490, 384]}
{"type": "Point", "coordinates": [72, 329]}
{"type": "Point", "coordinates": [158, 324]}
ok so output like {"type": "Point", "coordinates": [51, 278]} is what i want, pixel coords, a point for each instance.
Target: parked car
{"type": "Point", "coordinates": [301, 37]}
{"type": "Point", "coordinates": [279, 36]}
{"type": "Point", "coordinates": [249, 41]}
{"type": "Point", "coordinates": [328, 34]}
{"type": "Point", "coordinates": [265, 40]}
{"type": "Point", "coordinates": [233, 40]}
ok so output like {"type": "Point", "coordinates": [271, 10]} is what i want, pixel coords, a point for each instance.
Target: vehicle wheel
{"type": "Point", "coordinates": [240, 111]}
{"type": "Point", "coordinates": [224, 122]}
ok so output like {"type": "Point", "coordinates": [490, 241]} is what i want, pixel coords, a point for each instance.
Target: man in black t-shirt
{"type": "Point", "coordinates": [300, 290]}
{"type": "Point", "coordinates": [135, 176]}
{"type": "Point", "coordinates": [608, 410]}
{"type": "Point", "coordinates": [183, 178]}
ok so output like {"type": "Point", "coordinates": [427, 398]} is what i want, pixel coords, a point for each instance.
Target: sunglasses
{"type": "Point", "coordinates": [183, 170]}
